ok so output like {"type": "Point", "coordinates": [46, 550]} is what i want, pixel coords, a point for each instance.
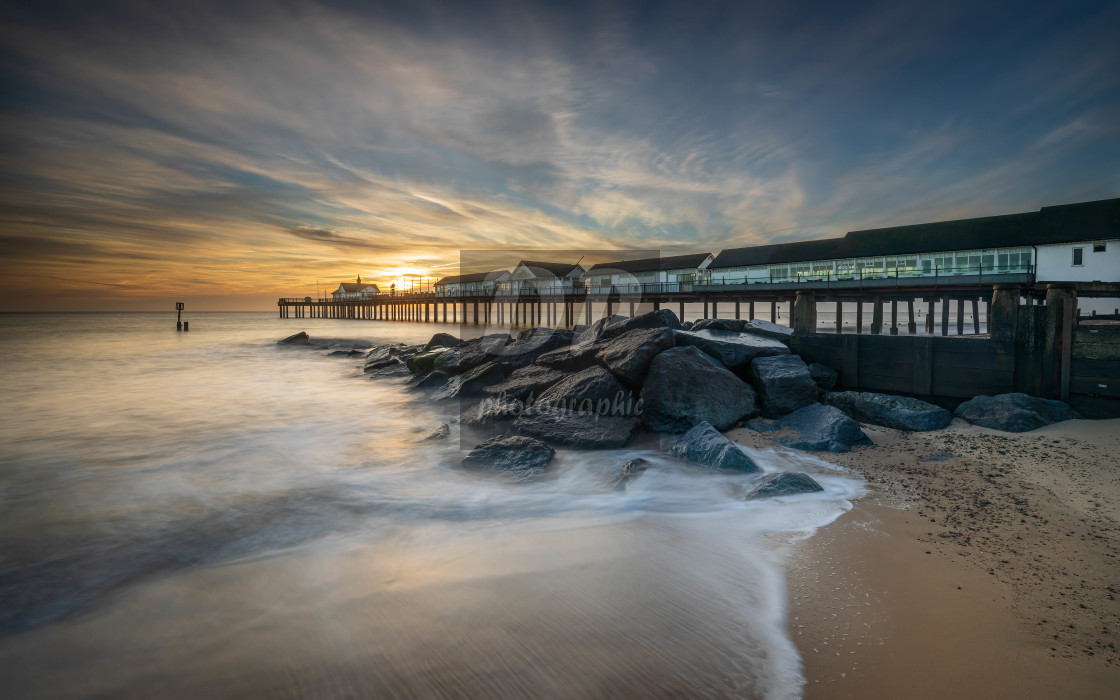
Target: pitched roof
{"type": "Point", "coordinates": [472, 277]}
{"type": "Point", "coordinates": [673, 262]}
{"type": "Point", "coordinates": [555, 269]}
{"type": "Point", "coordinates": [355, 287]}
{"type": "Point", "coordinates": [1059, 224]}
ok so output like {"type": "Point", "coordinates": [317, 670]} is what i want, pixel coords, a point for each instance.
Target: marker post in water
{"type": "Point", "coordinates": [179, 316]}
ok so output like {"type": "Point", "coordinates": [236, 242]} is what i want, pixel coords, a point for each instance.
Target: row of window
{"type": "Point", "coordinates": [954, 263]}
{"type": "Point", "coordinates": [1079, 253]}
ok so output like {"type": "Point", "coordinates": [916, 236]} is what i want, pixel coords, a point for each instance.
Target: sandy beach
{"type": "Point", "coordinates": [990, 571]}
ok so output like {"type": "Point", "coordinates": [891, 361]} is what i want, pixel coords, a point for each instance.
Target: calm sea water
{"type": "Point", "coordinates": [208, 514]}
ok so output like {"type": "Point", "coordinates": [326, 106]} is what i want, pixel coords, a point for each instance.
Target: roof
{"type": "Point", "coordinates": [473, 277]}
{"type": "Point", "coordinates": [673, 262]}
{"type": "Point", "coordinates": [355, 287]}
{"type": "Point", "coordinates": [554, 269]}
{"type": "Point", "coordinates": [1059, 224]}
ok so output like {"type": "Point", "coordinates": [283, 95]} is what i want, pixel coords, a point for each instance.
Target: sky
{"type": "Point", "coordinates": [228, 153]}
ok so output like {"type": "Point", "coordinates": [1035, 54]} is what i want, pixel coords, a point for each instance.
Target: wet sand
{"type": "Point", "coordinates": [993, 573]}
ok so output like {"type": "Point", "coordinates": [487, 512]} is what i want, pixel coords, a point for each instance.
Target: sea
{"type": "Point", "coordinates": [208, 514]}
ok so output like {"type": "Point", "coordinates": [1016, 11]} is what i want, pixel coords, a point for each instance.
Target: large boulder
{"type": "Point", "coordinates": [822, 429]}
{"type": "Point", "coordinates": [526, 383]}
{"type": "Point", "coordinates": [662, 318]}
{"type": "Point", "coordinates": [472, 382]}
{"type": "Point", "coordinates": [707, 447]}
{"type": "Point", "coordinates": [578, 429]}
{"type": "Point", "coordinates": [433, 381]}
{"type": "Point", "coordinates": [595, 332]}
{"type": "Point", "coordinates": [470, 354]}
{"type": "Point", "coordinates": [573, 358]}
{"type": "Point", "coordinates": [594, 389]}
{"type": "Point", "coordinates": [769, 330]}
{"type": "Point", "coordinates": [439, 433]}
{"type": "Point", "coordinates": [629, 355]}
{"type": "Point", "coordinates": [516, 455]}
{"type": "Point", "coordinates": [388, 357]}
{"type": "Point", "coordinates": [491, 410]}
{"type": "Point", "coordinates": [784, 484]}
{"type": "Point", "coordinates": [733, 325]}
{"type": "Point", "coordinates": [734, 350]}
{"type": "Point", "coordinates": [685, 387]}
{"type": "Point", "coordinates": [899, 412]}
{"type": "Point", "coordinates": [424, 362]}
{"type": "Point", "coordinates": [531, 343]}
{"type": "Point", "coordinates": [443, 340]}
{"type": "Point", "coordinates": [300, 338]}
{"type": "Point", "coordinates": [1014, 413]}
{"type": "Point", "coordinates": [783, 383]}
{"type": "Point", "coordinates": [824, 376]}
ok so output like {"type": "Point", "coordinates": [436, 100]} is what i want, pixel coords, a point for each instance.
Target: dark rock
{"type": "Point", "coordinates": [341, 353]}
{"type": "Point", "coordinates": [574, 428]}
{"type": "Point", "coordinates": [784, 484]}
{"type": "Point", "coordinates": [300, 338]}
{"type": "Point", "coordinates": [783, 383]}
{"type": "Point", "coordinates": [594, 390]}
{"type": "Point", "coordinates": [573, 358]}
{"type": "Point", "coordinates": [472, 382]}
{"type": "Point", "coordinates": [630, 471]}
{"type": "Point", "coordinates": [463, 358]}
{"type": "Point", "coordinates": [439, 433]}
{"type": "Point", "coordinates": [706, 446]}
{"type": "Point", "coordinates": [491, 410]}
{"type": "Point", "coordinates": [662, 318]}
{"type": "Point", "coordinates": [822, 428]}
{"type": "Point", "coordinates": [424, 362]}
{"type": "Point", "coordinates": [769, 330]}
{"type": "Point", "coordinates": [530, 344]}
{"type": "Point", "coordinates": [629, 355]}
{"type": "Point", "coordinates": [899, 412]}
{"type": "Point", "coordinates": [395, 368]}
{"type": "Point", "coordinates": [733, 325]}
{"type": "Point", "coordinates": [526, 383]}
{"type": "Point", "coordinates": [685, 387]}
{"type": "Point", "coordinates": [433, 381]}
{"type": "Point", "coordinates": [734, 350]}
{"type": "Point", "coordinates": [443, 340]}
{"type": "Point", "coordinates": [594, 332]}
{"type": "Point", "coordinates": [940, 456]}
{"type": "Point", "coordinates": [686, 325]}
{"type": "Point", "coordinates": [823, 375]}
{"type": "Point", "coordinates": [516, 455]}
{"type": "Point", "coordinates": [1014, 413]}
{"type": "Point", "coordinates": [763, 425]}
{"type": "Point", "coordinates": [388, 355]}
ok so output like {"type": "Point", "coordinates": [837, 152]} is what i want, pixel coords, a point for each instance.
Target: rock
{"type": "Point", "coordinates": [685, 387]}
{"type": "Point", "coordinates": [763, 425]}
{"type": "Point", "coordinates": [734, 350]}
{"type": "Point", "coordinates": [387, 355]}
{"type": "Point", "coordinates": [526, 383]}
{"type": "Point", "coordinates": [733, 325]}
{"type": "Point", "coordinates": [439, 433]}
{"type": "Point", "coordinates": [822, 428]}
{"type": "Point", "coordinates": [593, 389]}
{"type": "Point", "coordinates": [581, 430]}
{"type": "Point", "coordinates": [783, 383]}
{"type": "Point", "coordinates": [629, 355]}
{"type": "Point", "coordinates": [300, 338]}
{"type": "Point", "coordinates": [630, 471]}
{"type": "Point", "coordinates": [491, 410]}
{"type": "Point", "coordinates": [472, 382]}
{"type": "Point", "coordinates": [686, 325]}
{"type": "Point", "coordinates": [341, 353]}
{"type": "Point", "coordinates": [662, 318]}
{"type": "Point", "coordinates": [530, 344]}
{"type": "Point", "coordinates": [824, 376]}
{"type": "Point", "coordinates": [769, 330]}
{"type": "Point", "coordinates": [706, 446]}
{"type": "Point", "coordinates": [395, 368]}
{"type": "Point", "coordinates": [518, 456]}
{"type": "Point", "coordinates": [594, 332]}
{"type": "Point", "coordinates": [899, 412]}
{"type": "Point", "coordinates": [443, 340]}
{"type": "Point", "coordinates": [573, 358]}
{"type": "Point", "coordinates": [784, 484]}
{"type": "Point", "coordinates": [940, 456]}
{"type": "Point", "coordinates": [433, 381]}
{"type": "Point", "coordinates": [424, 362]}
{"type": "Point", "coordinates": [1014, 413]}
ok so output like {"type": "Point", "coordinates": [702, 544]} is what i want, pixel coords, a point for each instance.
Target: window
{"type": "Point", "coordinates": [1078, 256]}
{"type": "Point", "coordinates": [1098, 247]}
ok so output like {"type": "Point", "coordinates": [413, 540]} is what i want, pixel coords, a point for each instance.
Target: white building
{"type": "Point", "coordinates": [350, 291]}
{"type": "Point", "coordinates": [671, 272]}
{"type": "Point", "coordinates": [543, 278]}
{"type": "Point", "coordinates": [474, 284]}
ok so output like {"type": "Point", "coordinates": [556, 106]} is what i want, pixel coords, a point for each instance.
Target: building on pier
{"type": "Point", "coordinates": [1068, 243]}
{"type": "Point", "coordinates": [471, 285]}
{"type": "Point", "coordinates": [669, 270]}
{"type": "Point", "coordinates": [532, 277]}
{"type": "Point", "coordinates": [355, 291]}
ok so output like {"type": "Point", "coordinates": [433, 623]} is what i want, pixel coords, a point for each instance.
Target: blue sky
{"type": "Point", "coordinates": [233, 152]}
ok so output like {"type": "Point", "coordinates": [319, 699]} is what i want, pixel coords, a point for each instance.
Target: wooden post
{"type": "Point", "coordinates": [923, 367]}
{"type": "Point", "coordinates": [750, 310]}
{"type": "Point", "coordinates": [736, 309]}
{"type": "Point", "coordinates": [859, 316]}
{"type": "Point", "coordinates": [587, 318]}
{"type": "Point", "coordinates": [1060, 317]}
{"type": "Point", "coordinates": [877, 316]}
{"type": "Point", "coordinates": [179, 306]}
{"type": "Point", "coordinates": [911, 324]}
{"type": "Point", "coordinates": [681, 319]}
{"type": "Point", "coordinates": [774, 311]}
{"type": "Point", "coordinates": [894, 316]}
{"type": "Point", "coordinates": [705, 308]}
{"type": "Point", "coordinates": [803, 307]}
{"type": "Point", "coordinates": [975, 317]}
{"type": "Point", "coordinates": [839, 316]}
{"type": "Point", "coordinates": [945, 315]}
{"type": "Point", "coordinates": [931, 315]}
{"type": "Point", "coordinates": [849, 372]}
{"type": "Point", "coordinates": [631, 309]}
{"type": "Point", "coordinates": [960, 316]}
